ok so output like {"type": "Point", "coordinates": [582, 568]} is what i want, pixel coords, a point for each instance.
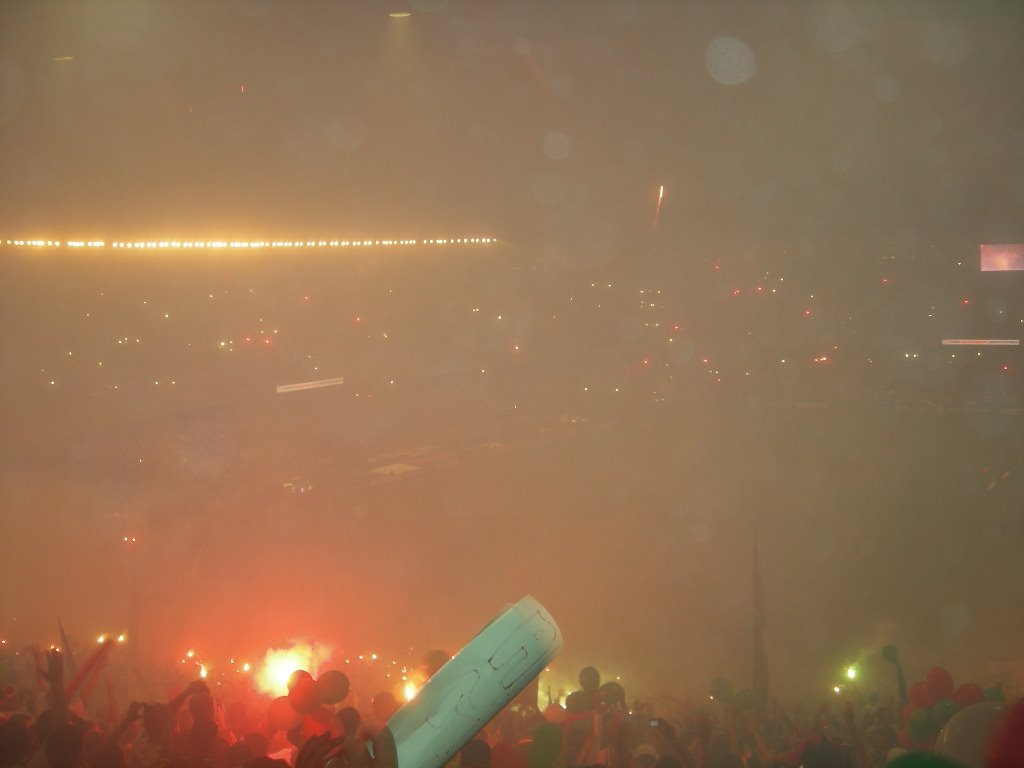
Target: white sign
{"type": "Point", "coordinates": [981, 342]}
{"type": "Point", "coordinates": [310, 385]}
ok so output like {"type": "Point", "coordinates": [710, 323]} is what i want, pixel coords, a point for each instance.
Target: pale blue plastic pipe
{"type": "Point", "coordinates": [468, 691]}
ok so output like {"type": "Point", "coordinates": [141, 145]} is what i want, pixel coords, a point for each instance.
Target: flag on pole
{"type": "Point", "coordinates": [760, 654]}
{"type": "Point", "coordinates": [69, 657]}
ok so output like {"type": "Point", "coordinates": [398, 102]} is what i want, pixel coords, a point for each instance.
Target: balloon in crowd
{"type": "Point", "coordinates": [964, 737]}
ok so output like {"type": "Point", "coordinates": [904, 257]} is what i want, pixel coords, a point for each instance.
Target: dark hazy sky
{"type": "Point", "coordinates": [771, 121]}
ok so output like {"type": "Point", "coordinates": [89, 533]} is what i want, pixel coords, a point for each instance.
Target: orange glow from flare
{"type": "Point", "coordinates": [279, 664]}
{"type": "Point", "coordinates": [410, 690]}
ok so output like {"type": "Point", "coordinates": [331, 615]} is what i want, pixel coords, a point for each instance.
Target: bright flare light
{"type": "Point", "coordinates": [165, 245]}
{"type": "Point", "coordinates": [279, 664]}
{"type": "Point", "coordinates": [851, 673]}
{"type": "Point", "coordinates": [410, 690]}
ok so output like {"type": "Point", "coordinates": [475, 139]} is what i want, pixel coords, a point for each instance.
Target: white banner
{"type": "Point", "coordinates": [310, 385]}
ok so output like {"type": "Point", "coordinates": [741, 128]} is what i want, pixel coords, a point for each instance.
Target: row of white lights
{"type": "Point", "coordinates": [249, 243]}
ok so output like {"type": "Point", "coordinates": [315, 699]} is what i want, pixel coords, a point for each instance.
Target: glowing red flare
{"type": "Point", "coordinates": [279, 664]}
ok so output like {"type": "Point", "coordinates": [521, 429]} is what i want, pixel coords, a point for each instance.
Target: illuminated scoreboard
{"type": "Point", "coordinates": [1008, 257]}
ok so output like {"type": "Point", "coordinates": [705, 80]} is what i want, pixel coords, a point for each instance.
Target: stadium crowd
{"type": "Point", "coordinates": [53, 722]}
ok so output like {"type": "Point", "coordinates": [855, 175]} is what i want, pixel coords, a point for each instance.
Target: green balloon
{"type": "Point", "coordinates": [995, 693]}
{"type": "Point", "coordinates": [890, 654]}
{"type": "Point", "coordinates": [942, 711]}
{"type": "Point", "coordinates": [920, 726]}
{"type": "Point", "coordinates": [721, 690]}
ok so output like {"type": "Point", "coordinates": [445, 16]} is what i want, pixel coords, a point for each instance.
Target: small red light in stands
{"type": "Point", "coordinates": [1006, 367]}
{"type": "Point", "coordinates": [735, 291]}
{"type": "Point", "coordinates": [966, 301]}
{"type": "Point", "coordinates": [885, 281]}
{"type": "Point", "coordinates": [807, 313]}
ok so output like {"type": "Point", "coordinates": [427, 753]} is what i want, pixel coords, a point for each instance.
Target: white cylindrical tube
{"type": "Point", "coordinates": [474, 685]}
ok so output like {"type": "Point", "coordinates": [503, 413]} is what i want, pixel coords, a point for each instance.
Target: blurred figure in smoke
{"type": "Point", "coordinates": [258, 743]}
{"type": "Point", "coordinates": [238, 720]}
{"type": "Point", "coordinates": [433, 661]}
{"type": "Point", "coordinates": [709, 746]}
{"type": "Point", "coordinates": [15, 744]}
{"type": "Point", "coordinates": [745, 737]}
{"type": "Point", "coordinates": [203, 745]}
{"type": "Point", "coordinates": [506, 752]}
{"type": "Point", "coordinates": [612, 697]}
{"type": "Point", "coordinates": [581, 732]}
{"type": "Point", "coordinates": [615, 753]}
{"type": "Point", "coordinates": [153, 746]}
{"type": "Point", "coordinates": [238, 755]}
{"type": "Point", "coordinates": [824, 749]}
{"type": "Point", "coordinates": [881, 737]}
{"type": "Point", "coordinates": [108, 756]}
{"type": "Point", "coordinates": [384, 705]}
{"type": "Point", "coordinates": [545, 741]}
{"type": "Point", "coordinates": [590, 683]}
{"type": "Point", "coordinates": [64, 745]}
{"type": "Point", "coordinates": [645, 756]}
{"type": "Point", "coordinates": [202, 710]}
{"type": "Point", "coordinates": [350, 720]}
{"type": "Point", "coordinates": [476, 754]}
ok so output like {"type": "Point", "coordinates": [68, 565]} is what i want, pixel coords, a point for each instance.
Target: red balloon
{"type": "Point", "coordinates": [969, 693]}
{"type": "Point", "coordinates": [921, 695]}
{"type": "Point", "coordinates": [940, 683]}
{"type": "Point", "coordinates": [304, 696]}
{"type": "Point", "coordinates": [1006, 744]}
{"type": "Point", "coordinates": [296, 676]}
{"type": "Point", "coordinates": [333, 686]}
{"type": "Point", "coordinates": [281, 716]}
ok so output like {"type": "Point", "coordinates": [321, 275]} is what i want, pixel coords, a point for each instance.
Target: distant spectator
{"type": "Point", "coordinates": [238, 754]}
{"type": "Point", "coordinates": [476, 754]}
{"type": "Point", "coordinates": [15, 743]}
{"type": "Point", "coordinates": [258, 743]}
{"type": "Point", "coordinates": [350, 720]}
{"type": "Point", "coordinates": [645, 756]}
{"type": "Point", "coordinates": [64, 746]}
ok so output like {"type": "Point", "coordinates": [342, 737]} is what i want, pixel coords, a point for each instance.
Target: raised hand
{"type": "Point", "coordinates": [134, 711]}
{"type": "Point", "coordinates": [314, 752]}
{"type": "Point", "coordinates": [54, 673]}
